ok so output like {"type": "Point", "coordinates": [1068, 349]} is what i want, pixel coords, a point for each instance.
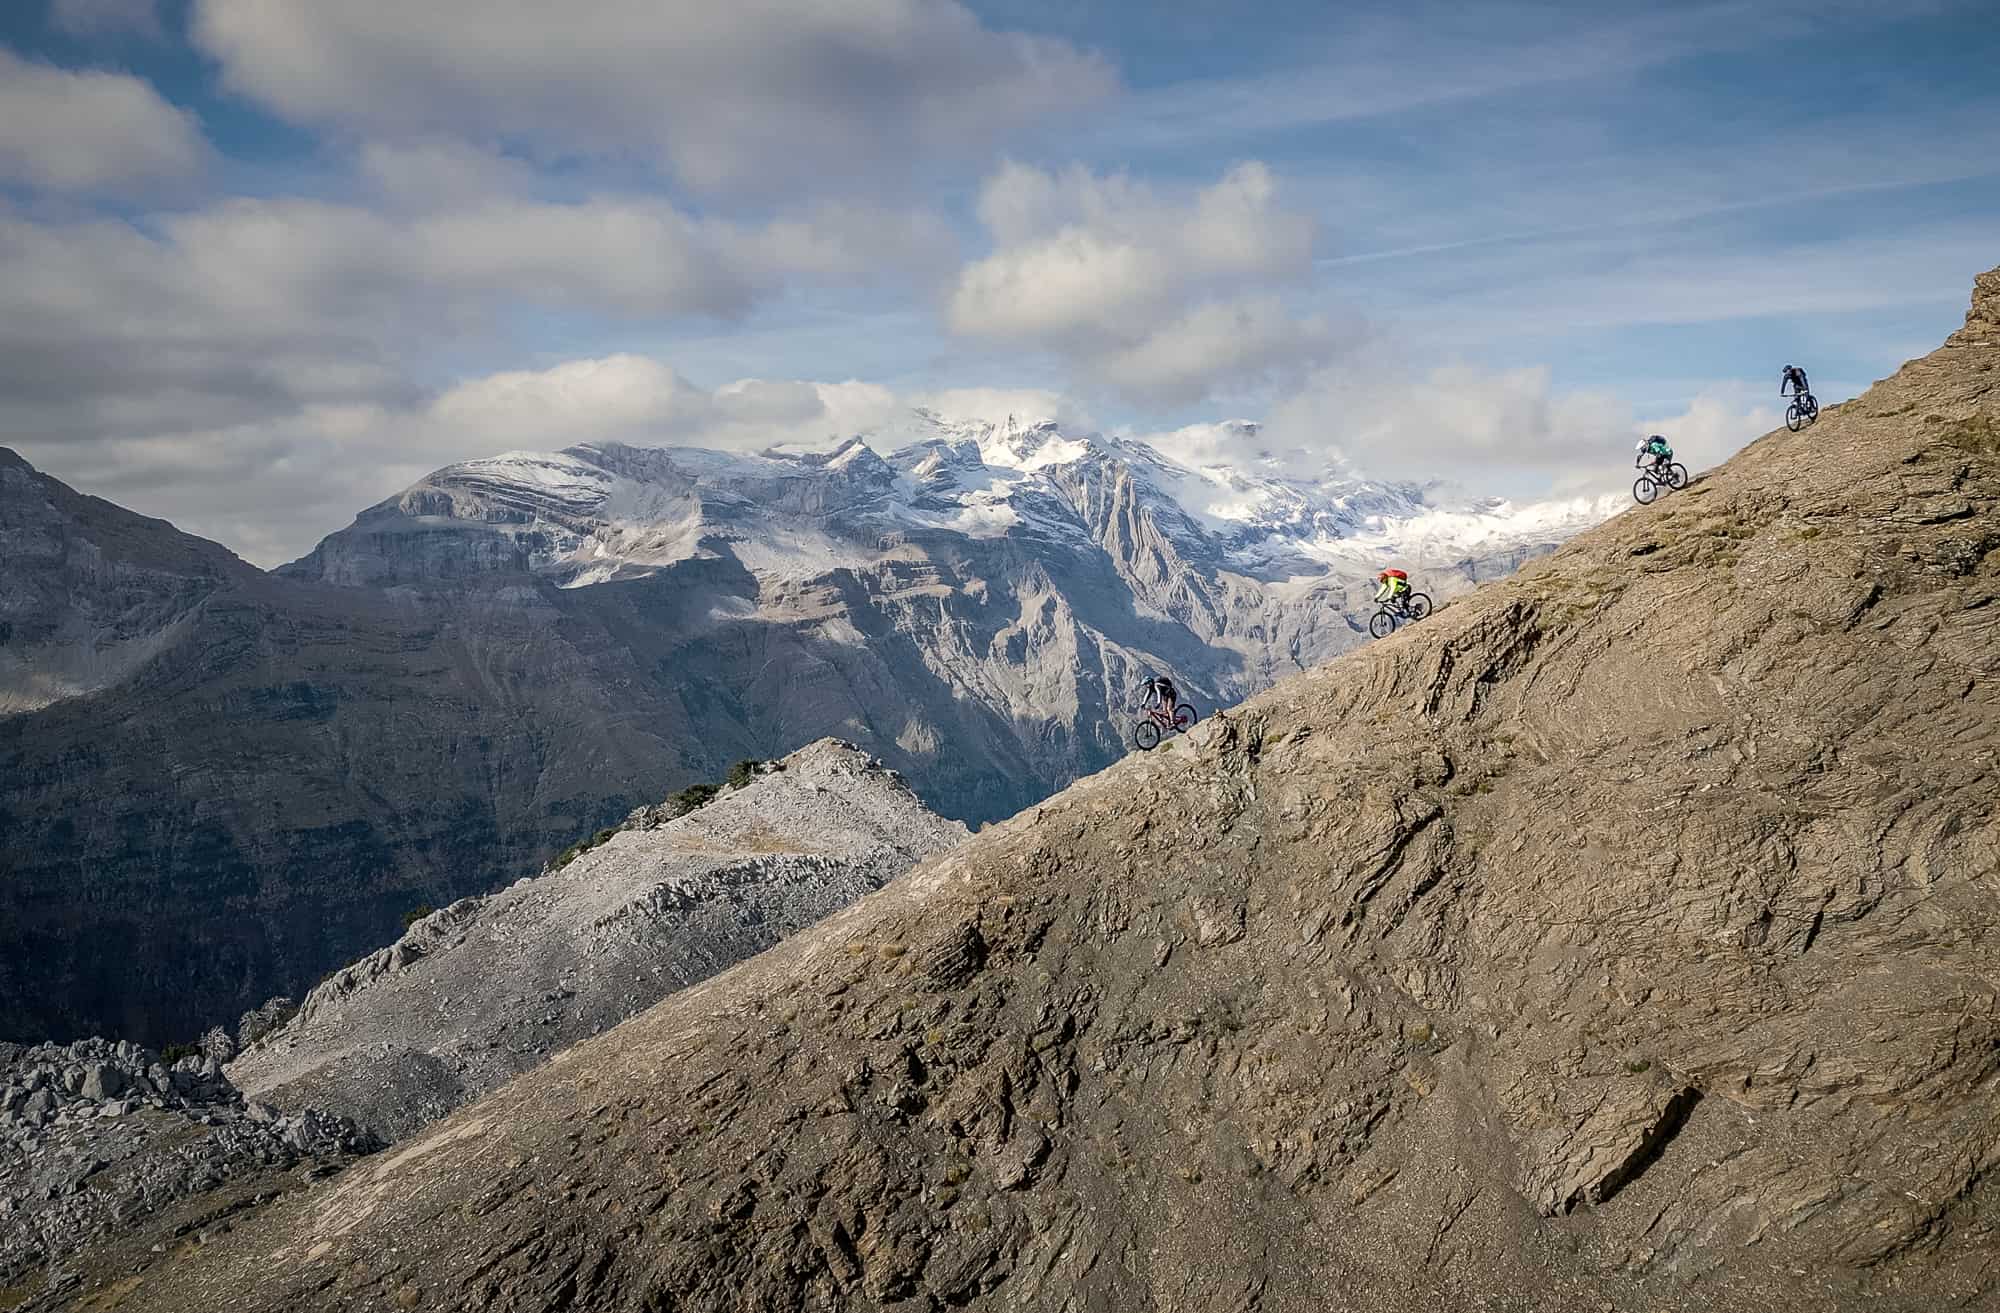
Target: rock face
{"type": "Point", "coordinates": [1618, 939]}
{"type": "Point", "coordinates": [272, 793]}
{"type": "Point", "coordinates": [256, 777]}
{"type": "Point", "coordinates": [1982, 324]}
{"type": "Point", "coordinates": [89, 592]}
{"type": "Point", "coordinates": [97, 1139]}
{"type": "Point", "coordinates": [487, 987]}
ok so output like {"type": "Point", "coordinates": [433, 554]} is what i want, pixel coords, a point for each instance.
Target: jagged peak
{"type": "Point", "coordinates": [1982, 319]}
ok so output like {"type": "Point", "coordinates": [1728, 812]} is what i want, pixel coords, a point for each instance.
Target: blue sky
{"type": "Point", "coordinates": [263, 262]}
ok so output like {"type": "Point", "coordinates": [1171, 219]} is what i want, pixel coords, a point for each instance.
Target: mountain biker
{"type": "Point", "coordinates": [1160, 692]}
{"type": "Point", "coordinates": [1392, 586]}
{"type": "Point", "coordinates": [1656, 447]}
{"type": "Point", "coordinates": [1795, 379]}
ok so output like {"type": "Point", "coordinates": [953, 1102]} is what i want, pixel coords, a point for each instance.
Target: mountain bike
{"type": "Point", "coordinates": [1154, 722]}
{"type": "Point", "coordinates": [1404, 610]}
{"type": "Point", "coordinates": [1803, 411]}
{"type": "Point", "coordinates": [1655, 475]}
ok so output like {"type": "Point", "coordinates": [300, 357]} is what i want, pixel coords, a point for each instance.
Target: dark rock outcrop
{"type": "Point", "coordinates": [1618, 939]}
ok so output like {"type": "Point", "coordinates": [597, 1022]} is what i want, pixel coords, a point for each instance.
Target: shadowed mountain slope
{"type": "Point", "coordinates": [1619, 939]}
{"type": "Point", "coordinates": [90, 591]}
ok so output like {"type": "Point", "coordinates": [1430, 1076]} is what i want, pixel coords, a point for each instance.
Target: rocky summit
{"type": "Point", "coordinates": [1618, 939]}
{"type": "Point", "coordinates": [488, 987]}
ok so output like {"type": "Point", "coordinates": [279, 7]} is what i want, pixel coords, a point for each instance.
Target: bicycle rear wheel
{"type": "Point", "coordinates": [1795, 417]}
{"type": "Point", "coordinates": [1644, 490]}
{"type": "Point", "coordinates": [1184, 717]}
{"type": "Point", "coordinates": [1146, 735]}
{"type": "Point", "coordinates": [1381, 624]}
{"type": "Point", "coordinates": [1418, 606]}
{"type": "Point", "coordinates": [1677, 476]}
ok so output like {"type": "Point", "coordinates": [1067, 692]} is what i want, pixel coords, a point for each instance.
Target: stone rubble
{"type": "Point", "coordinates": [96, 1135]}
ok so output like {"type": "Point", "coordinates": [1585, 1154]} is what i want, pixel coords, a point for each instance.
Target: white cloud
{"type": "Point", "coordinates": [245, 283]}
{"type": "Point", "coordinates": [99, 17]}
{"type": "Point", "coordinates": [1149, 293]}
{"type": "Point", "coordinates": [85, 131]}
{"type": "Point", "coordinates": [1717, 424]}
{"type": "Point", "coordinates": [643, 401]}
{"type": "Point", "coordinates": [439, 173]}
{"type": "Point", "coordinates": [1079, 253]}
{"type": "Point", "coordinates": [252, 370]}
{"type": "Point", "coordinates": [753, 95]}
{"type": "Point", "coordinates": [998, 405]}
{"type": "Point", "coordinates": [270, 487]}
{"type": "Point", "coordinates": [1240, 341]}
{"type": "Point", "coordinates": [1496, 430]}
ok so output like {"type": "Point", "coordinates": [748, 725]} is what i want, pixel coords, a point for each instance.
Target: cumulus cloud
{"type": "Point", "coordinates": [260, 368]}
{"type": "Point", "coordinates": [745, 96]}
{"type": "Point", "coordinates": [998, 405]}
{"type": "Point", "coordinates": [270, 487]}
{"type": "Point", "coordinates": [641, 400]}
{"type": "Point", "coordinates": [1499, 430]}
{"type": "Point", "coordinates": [88, 131]}
{"type": "Point", "coordinates": [1158, 296]}
{"type": "Point", "coordinates": [1241, 341]}
{"type": "Point", "coordinates": [439, 173]}
{"type": "Point", "coordinates": [299, 297]}
{"type": "Point", "coordinates": [100, 17]}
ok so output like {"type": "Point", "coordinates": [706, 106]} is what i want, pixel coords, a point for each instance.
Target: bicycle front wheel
{"type": "Point", "coordinates": [1677, 476]}
{"type": "Point", "coordinates": [1146, 735]}
{"type": "Point", "coordinates": [1644, 490]}
{"type": "Point", "coordinates": [1381, 624]}
{"type": "Point", "coordinates": [1418, 606]}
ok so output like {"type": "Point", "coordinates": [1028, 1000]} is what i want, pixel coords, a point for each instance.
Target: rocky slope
{"type": "Point", "coordinates": [261, 775]}
{"type": "Point", "coordinates": [487, 987]}
{"type": "Point", "coordinates": [1618, 939]}
{"type": "Point", "coordinates": [100, 1140]}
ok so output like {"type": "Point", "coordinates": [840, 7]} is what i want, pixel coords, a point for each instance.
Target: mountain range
{"type": "Point", "coordinates": [1618, 939]}
{"type": "Point", "coordinates": [218, 783]}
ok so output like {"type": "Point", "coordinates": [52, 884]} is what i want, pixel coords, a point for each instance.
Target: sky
{"type": "Point", "coordinates": [264, 263]}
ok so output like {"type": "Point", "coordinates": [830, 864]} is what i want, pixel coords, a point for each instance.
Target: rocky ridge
{"type": "Point", "coordinates": [97, 1138]}
{"type": "Point", "coordinates": [488, 987]}
{"type": "Point", "coordinates": [1620, 938]}
{"type": "Point", "coordinates": [90, 592]}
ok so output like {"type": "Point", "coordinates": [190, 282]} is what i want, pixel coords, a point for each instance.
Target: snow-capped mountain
{"type": "Point", "coordinates": [976, 603]}
{"type": "Point", "coordinates": [594, 514]}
